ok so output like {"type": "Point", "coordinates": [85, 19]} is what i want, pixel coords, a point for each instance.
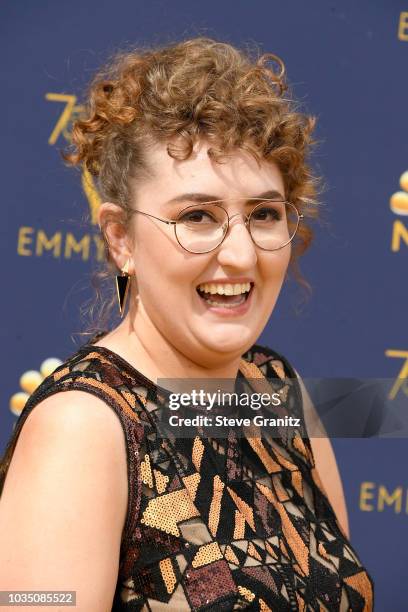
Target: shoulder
{"type": "Point", "coordinates": [85, 413]}
{"type": "Point", "coordinates": [91, 372]}
{"type": "Point", "coordinates": [83, 409]}
{"type": "Point", "coordinates": [68, 464]}
{"type": "Point", "coordinates": [71, 429]}
{"type": "Point", "coordinates": [73, 415]}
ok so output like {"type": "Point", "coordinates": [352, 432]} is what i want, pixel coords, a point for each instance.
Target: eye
{"type": "Point", "coordinates": [267, 214]}
{"type": "Point", "coordinates": [197, 217]}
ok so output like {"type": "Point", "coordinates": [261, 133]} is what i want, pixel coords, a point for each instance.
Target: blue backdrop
{"type": "Point", "coordinates": [347, 63]}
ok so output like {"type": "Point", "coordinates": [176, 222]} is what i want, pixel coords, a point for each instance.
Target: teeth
{"type": "Point", "coordinates": [227, 289]}
{"type": "Point", "coordinates": [225, 304]}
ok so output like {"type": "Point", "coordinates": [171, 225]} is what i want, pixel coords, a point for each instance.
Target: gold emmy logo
{"type": "Point", "coordinates": [399, 206]}
{"type": "Point", "coordinates": [29, 381]}
{"type": "Point", "coordinates": [36, 241]}
{"type": "Point", "coordinates": [401, 382]}
{"type": "Point", "coordinates": [376, 497]}
{"type": "Point", "coordinates": [403, 26]}
{"type": "Point", "coordinates": [69, 114]}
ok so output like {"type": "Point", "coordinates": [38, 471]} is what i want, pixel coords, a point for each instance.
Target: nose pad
{"type": "Point", "coordinates": [243, 217]}
{"type": "Point", "coordinates": [244, 223]}
{"type": "Point", "coordinates": [228, 226]}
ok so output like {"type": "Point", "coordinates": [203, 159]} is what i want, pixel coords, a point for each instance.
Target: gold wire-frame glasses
{"type": "Point", "coordinates": [266, 232]}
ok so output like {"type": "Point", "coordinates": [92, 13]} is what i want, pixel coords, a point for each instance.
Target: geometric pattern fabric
{"type": "Point", "coordinates": [240, 523]}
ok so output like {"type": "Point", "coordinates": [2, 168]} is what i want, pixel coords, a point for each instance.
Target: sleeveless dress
{"type": "Point", "coordinates": [213, 524]}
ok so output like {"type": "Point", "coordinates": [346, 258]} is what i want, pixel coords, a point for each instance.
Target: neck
{"type": "Point", "coordinates": [139, 341]}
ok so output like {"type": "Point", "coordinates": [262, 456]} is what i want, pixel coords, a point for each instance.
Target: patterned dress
{"type": "Point", "coordinates": [240, 523]}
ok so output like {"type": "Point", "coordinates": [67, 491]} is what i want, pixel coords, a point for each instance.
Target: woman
{"type": "Point", "coordinates": [202, 163]}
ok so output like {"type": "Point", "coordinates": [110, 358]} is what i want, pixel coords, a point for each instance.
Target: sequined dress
{"type": "Point", "coordinates": [235, 524]}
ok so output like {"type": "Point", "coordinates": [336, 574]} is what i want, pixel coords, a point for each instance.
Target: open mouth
{"type": "Point", "coordinates": [225, 295]}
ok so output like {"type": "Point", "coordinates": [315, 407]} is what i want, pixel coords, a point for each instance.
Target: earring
{"type": "Point", "coordinates": [122, 287]}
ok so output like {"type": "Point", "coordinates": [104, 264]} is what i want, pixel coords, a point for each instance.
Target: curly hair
{"type": "Point", "coordinates": [177, 94]}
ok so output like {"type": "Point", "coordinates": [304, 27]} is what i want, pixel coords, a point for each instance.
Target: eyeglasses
{"type": "Point", "coordinates": [201, 228]}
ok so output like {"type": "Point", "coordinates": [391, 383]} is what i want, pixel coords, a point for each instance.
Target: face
{"type": "Point", "coordinates": [204, 326]}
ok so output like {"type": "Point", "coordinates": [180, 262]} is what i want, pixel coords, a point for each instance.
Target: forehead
{"type": "Point", "coordinates": [238, 174]}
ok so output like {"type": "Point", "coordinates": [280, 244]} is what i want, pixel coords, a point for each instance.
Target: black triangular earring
{"type": "Point", "coordinates": [122, 287]}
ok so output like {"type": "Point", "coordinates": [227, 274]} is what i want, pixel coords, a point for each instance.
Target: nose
{"type": "Point", "coordinates": [237, 250]}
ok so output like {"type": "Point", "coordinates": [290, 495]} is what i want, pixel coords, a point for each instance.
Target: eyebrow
{"type": "Point", "coordinates": [201, 198]}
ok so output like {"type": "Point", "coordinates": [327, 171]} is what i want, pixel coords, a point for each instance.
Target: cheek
{"type": "Point", "coordinates": [163, 269]}
{"type": "Point", "coordinates": [274, 267]}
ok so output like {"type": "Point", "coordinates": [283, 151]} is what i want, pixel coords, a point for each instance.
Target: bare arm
{"type": "Point", "coordinates": [64, 501]}
{"type": "Point", "coordinates": [325, 459]}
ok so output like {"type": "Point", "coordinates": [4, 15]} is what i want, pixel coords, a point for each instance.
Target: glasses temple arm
{"type": "Point", "coordinates": [169, 222]}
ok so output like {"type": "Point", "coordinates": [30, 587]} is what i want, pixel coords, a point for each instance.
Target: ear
{"type": "Point", "coordinates": [111, 219]}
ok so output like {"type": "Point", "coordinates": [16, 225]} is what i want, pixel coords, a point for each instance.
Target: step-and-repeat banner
{"type": "Point", "coordinates": [347, 65]}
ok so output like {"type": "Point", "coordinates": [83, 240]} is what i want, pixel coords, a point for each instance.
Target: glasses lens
{"type": "Point", "coordinates": [273, 224]}
{"type": "Point", "coordinates": [201, 228]}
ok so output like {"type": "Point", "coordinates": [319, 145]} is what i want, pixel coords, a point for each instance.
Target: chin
{"type": "Point", "coordinates": [229, 340]}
